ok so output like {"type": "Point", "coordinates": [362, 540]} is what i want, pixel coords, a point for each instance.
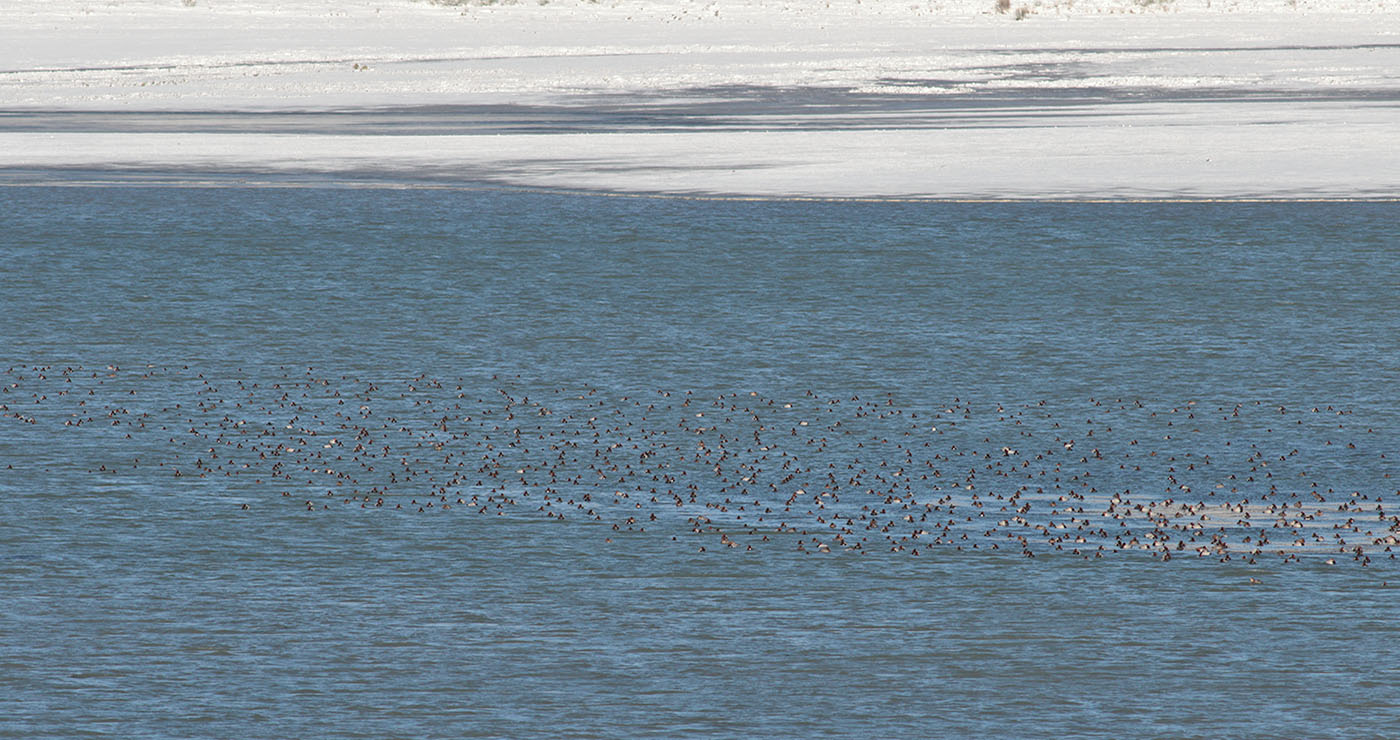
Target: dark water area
{"type": "Point", "coordinates": [993, 301]}
{"type": "Point", "coordinates": [1064, 353]}
{"type": "Point", "coordinates": [996, 301]}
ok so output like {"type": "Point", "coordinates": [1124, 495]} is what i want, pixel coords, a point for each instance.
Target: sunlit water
{"type": "Point", "coordinates": [138, 603]}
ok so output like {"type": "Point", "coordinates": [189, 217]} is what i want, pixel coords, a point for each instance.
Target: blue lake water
{"type": "Point", "coordinates": [312, 462]}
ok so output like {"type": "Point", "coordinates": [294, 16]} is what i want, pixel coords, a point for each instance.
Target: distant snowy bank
{"type": "Point", "coordinates": [700, 9]}
{"type": "Point", "coordinates": [880, 98]}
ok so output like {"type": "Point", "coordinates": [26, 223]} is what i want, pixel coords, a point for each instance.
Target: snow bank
{"type": "Point", "coordinates": [939, 98]}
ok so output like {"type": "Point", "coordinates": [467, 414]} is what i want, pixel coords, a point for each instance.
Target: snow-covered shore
{"type": "Point", "coordinates": [1077, 99]}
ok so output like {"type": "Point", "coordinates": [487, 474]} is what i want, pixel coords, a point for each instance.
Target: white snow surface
{"type": "Point", "coordinates": [1074, 99]}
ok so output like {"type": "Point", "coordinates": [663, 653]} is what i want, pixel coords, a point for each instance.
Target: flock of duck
{"type": "Point", "coordinates": [814, 472]}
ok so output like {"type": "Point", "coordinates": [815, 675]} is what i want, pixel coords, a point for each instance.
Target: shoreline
{"type": "Point", "coordinates": [877, 100]}
{"type": "Point", "coordinates": [10, 180]}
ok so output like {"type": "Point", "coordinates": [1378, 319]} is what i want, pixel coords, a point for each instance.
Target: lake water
{"type": "Point", "coordinates": [370, 462]}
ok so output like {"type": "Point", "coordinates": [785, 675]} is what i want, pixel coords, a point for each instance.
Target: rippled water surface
{"type": "Point", "coordinates": [1079, 350]}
